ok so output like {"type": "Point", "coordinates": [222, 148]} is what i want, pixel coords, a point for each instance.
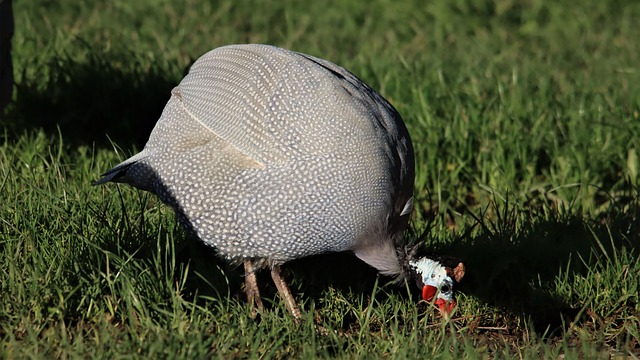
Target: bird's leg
{"type": "Point", "coordinates": [285, 292]}
{"type": "Point", "coordinates": [251, 287]}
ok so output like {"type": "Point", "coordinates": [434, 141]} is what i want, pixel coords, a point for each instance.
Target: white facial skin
{"type": "Point", "coordinates": [434, 274]}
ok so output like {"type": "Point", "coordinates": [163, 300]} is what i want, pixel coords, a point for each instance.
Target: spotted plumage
{"type": "Point", "coordinates": [269, 155]}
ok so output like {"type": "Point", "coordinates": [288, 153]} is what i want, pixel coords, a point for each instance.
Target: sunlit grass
{"type": "Point", "coordinates": [525, 119]}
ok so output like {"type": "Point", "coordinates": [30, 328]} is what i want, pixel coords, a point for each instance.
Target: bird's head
{"type": "Point", "coordinates": [436, 281]}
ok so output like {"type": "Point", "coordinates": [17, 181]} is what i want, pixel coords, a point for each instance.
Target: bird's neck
{"type": "Point", "coordinates": [380, 253]}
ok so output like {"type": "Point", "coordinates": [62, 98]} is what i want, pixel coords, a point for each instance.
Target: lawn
{"type": "Point", "coordinates": [525, 119]}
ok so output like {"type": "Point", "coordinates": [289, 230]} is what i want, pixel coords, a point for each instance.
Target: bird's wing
{"type": "Point", "coordinates": [272, 104]}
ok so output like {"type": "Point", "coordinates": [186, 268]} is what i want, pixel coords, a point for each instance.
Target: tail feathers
{"type": "Point", "coordinates": [116, 174]}
{"type": "Point", "coordinates": [119, 172]}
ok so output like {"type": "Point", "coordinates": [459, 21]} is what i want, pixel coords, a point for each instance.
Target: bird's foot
{"type": "Point", "coordinates": [251, 288]}
{"type": "Point", "coordinates": [285, 293]}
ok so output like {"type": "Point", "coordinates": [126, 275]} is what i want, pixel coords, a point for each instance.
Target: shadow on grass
{"type": "Point", "coordinates": [512, 263]}
{"type": "Point", "coordinates": [514, 260]}
{"type": "Point", "coordinates": [103, 97]}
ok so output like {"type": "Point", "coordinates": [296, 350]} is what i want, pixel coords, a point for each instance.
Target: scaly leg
{"type": "Point", "coordinates": [285, 292]}
{"type": "Point", "coordinates": [251, 287]}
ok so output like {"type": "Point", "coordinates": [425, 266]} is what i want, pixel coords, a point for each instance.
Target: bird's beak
{"type": "Point", "coordinates": [428, 292]}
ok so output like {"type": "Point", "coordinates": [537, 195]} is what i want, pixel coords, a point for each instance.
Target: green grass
{"type": "Point", "coordinates": [525, 119]}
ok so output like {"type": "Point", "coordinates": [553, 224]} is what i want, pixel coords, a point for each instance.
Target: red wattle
{"type": "Point", "coordinates": [445, 306]}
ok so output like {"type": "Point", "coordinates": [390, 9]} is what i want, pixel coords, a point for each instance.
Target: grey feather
{"type": "Point", "coordinates": [274, 155]}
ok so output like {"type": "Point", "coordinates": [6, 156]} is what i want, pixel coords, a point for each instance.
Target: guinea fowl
{"type": "Point", "coordinates": [270, 155]}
